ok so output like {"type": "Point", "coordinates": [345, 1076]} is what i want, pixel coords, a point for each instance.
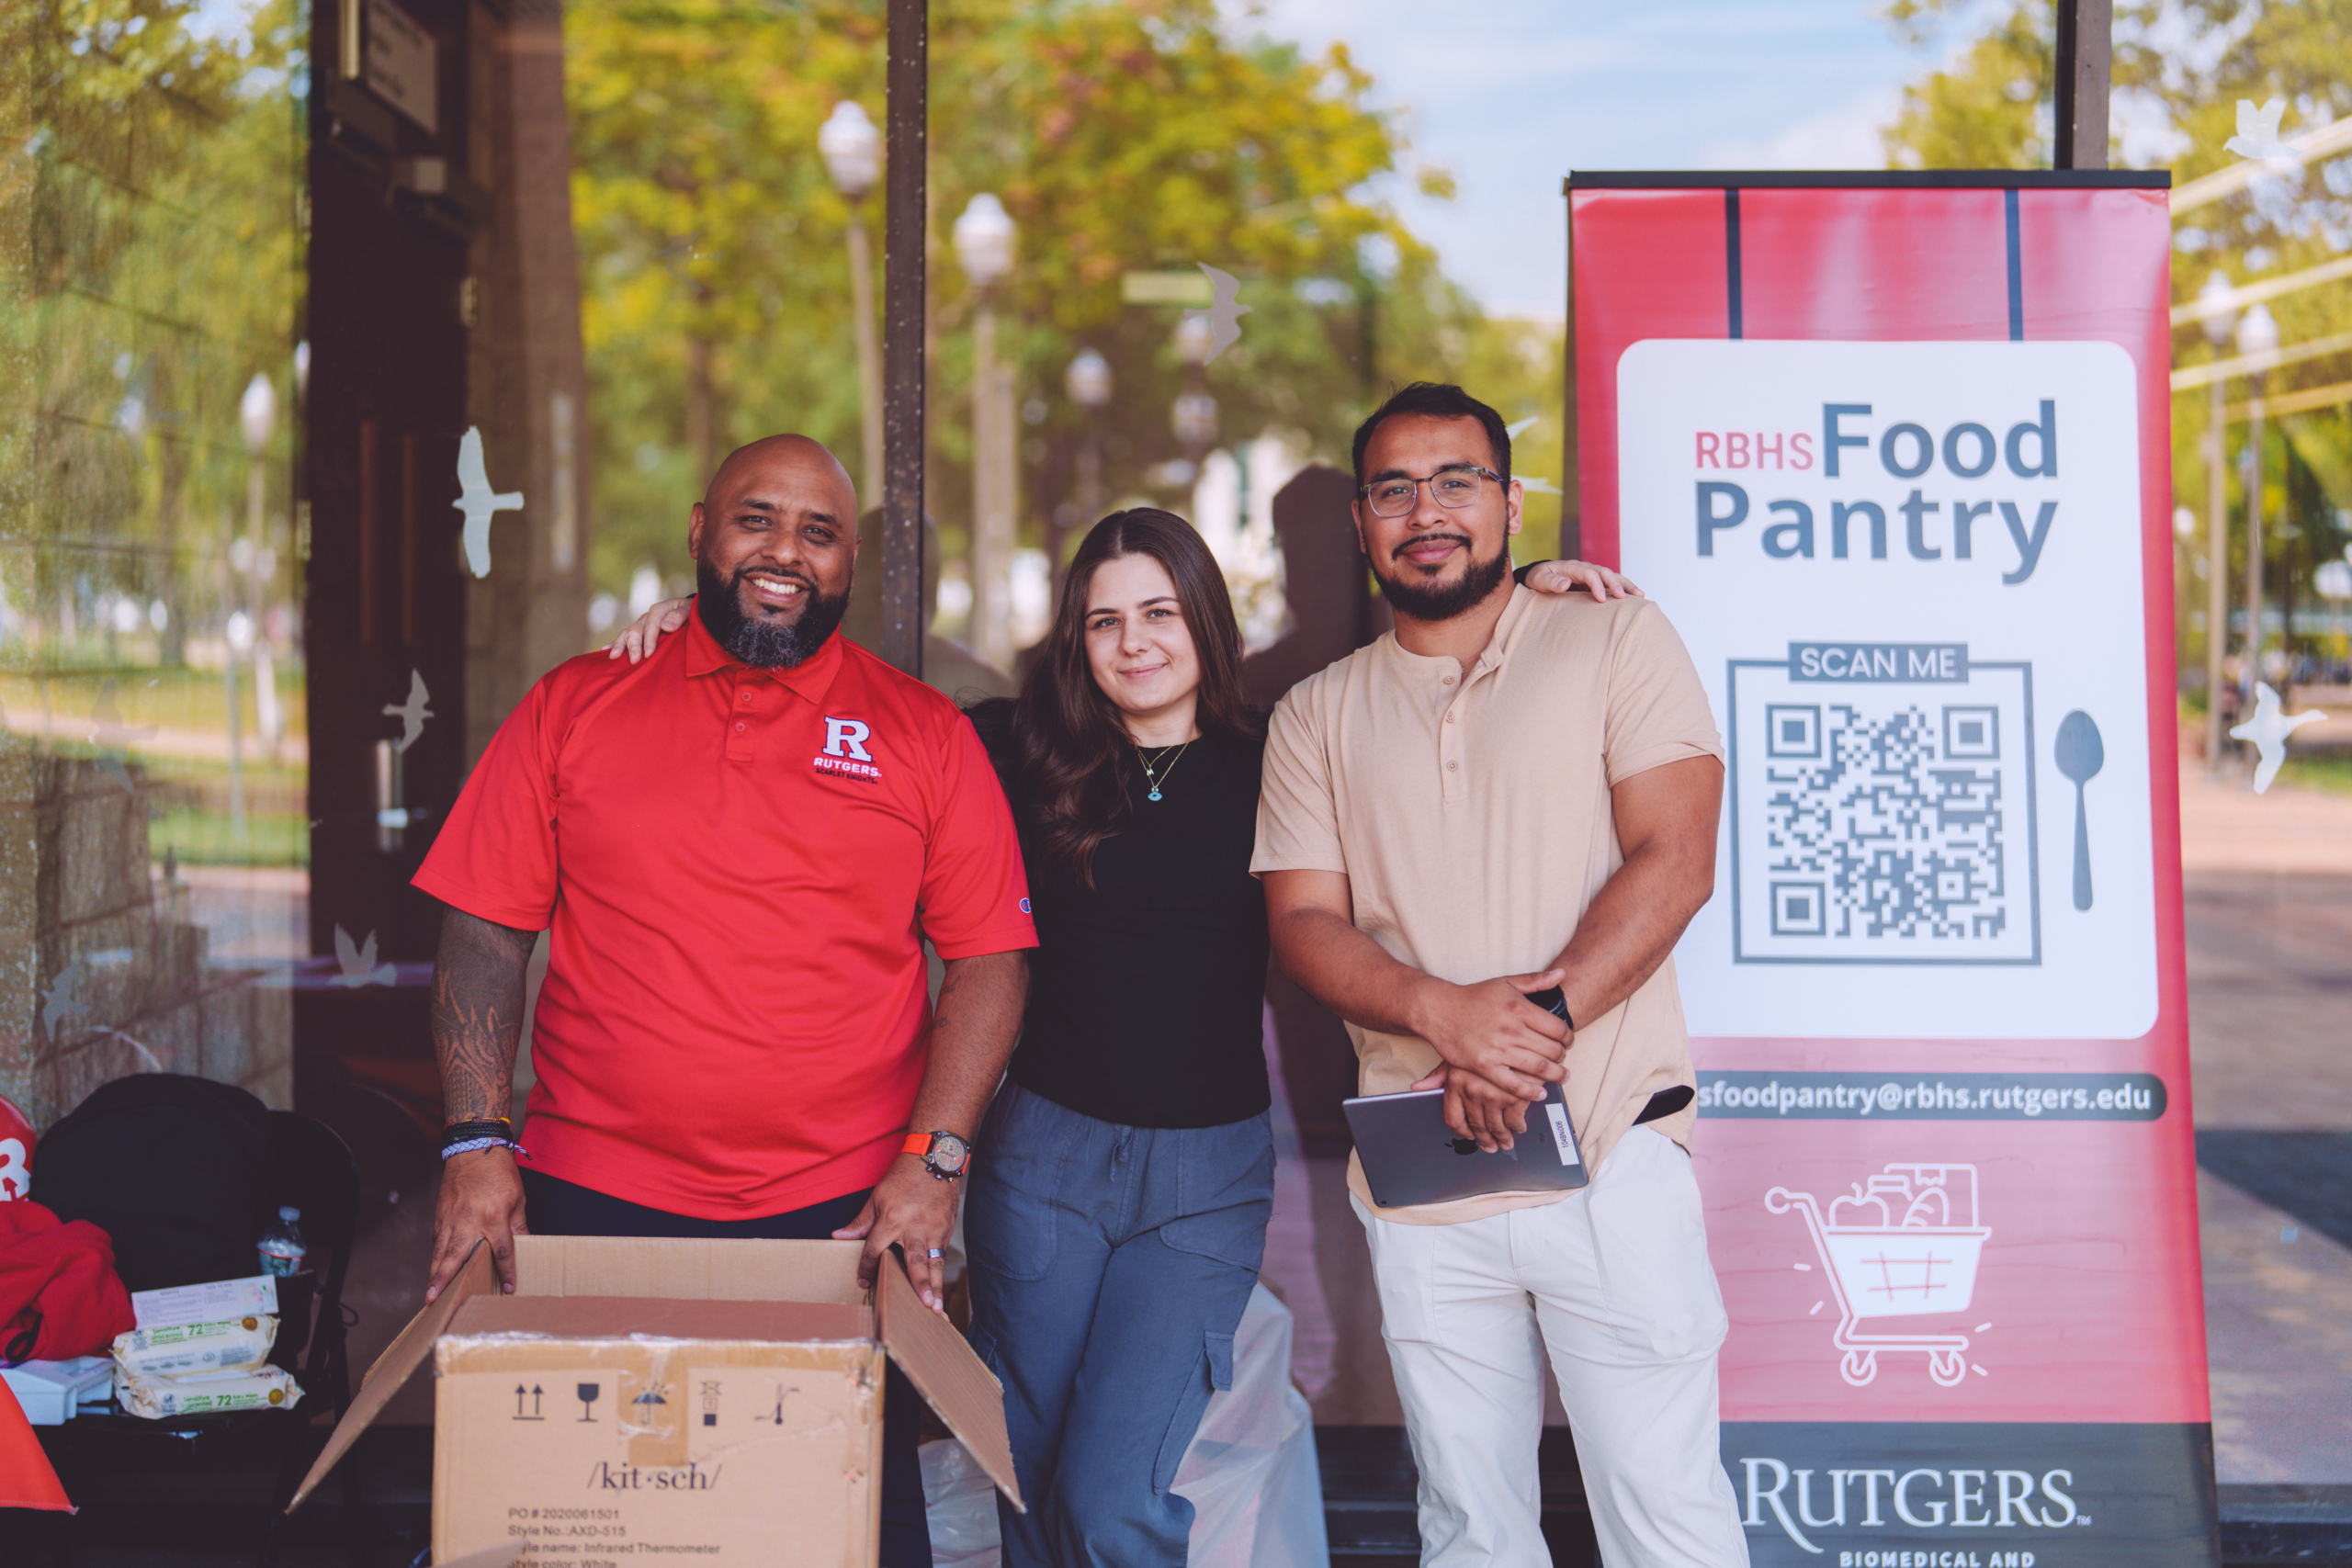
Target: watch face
{"type": "Point", "coordinates": [949, 1152]}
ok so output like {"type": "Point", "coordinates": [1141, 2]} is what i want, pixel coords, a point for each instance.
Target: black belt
{"type": "Point", "coordinates": [1666, 1103]}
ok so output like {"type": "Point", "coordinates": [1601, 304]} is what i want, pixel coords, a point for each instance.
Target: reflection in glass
{"type": "Point", "coordinates": [153, 768]}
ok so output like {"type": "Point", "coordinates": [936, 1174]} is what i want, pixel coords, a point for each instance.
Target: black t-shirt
{"type": "Point", "coordinates": [1146, 990]}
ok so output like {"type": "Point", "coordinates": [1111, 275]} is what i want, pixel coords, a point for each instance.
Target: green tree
{"type": "Point", "coordinates": [1119, 136]}
{"type": "Point", "coordinates": [705, 219]}
{"type": "Point", "coordinates": [2181, 68]}
{"type": "Point", "coordinates": [151, 259]}
{"type": "Point", "coordinates": [157, 270]}
{"type": "Point", "coordinates": [2194, 70]}
{"type": "Point", "coordinates": [1991, 109]}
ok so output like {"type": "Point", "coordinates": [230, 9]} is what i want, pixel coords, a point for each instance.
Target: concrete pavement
{"type": "Point", "coordinates": [2268, 898]}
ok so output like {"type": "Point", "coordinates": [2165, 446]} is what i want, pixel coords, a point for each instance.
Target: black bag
{"type": "Point", "coordinates": [175, 1168]}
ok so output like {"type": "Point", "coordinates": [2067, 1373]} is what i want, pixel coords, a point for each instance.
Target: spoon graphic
{"type": "Point", "coordinates": [2080, 756]}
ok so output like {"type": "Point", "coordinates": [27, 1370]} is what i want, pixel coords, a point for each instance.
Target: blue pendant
{"type": "Point", "coordinates": [1153, 796]}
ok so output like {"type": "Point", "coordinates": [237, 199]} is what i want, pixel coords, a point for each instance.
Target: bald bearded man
{"type": "Point", "coordinates": [760, 824]}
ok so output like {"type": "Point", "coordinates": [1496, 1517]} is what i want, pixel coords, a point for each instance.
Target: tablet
{"type": "Point", "coordinates": [1410, 1157]}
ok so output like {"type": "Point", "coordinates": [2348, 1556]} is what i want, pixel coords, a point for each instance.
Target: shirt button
{"type": "Point", "coordinates": [746, 699]}
{"type": "Point", "coordinates": [1451, 766]}
{"type": "Point", "coordinates": [1447, 681]}
{"type": "Point", "coordinates": [1449, 719]}
{"type": "Point", "coordinates": [738, 727]}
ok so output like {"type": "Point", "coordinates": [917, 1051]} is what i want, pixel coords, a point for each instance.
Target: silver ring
{"type": "Point", "coordinates": [935, 1255]}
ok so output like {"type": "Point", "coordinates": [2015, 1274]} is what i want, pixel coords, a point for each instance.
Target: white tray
{"type": "Point", "coordinates": [50, 1391]}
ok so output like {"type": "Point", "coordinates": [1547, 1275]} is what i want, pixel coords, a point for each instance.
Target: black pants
{"type": "Point", "coordinates": [564, 1208]}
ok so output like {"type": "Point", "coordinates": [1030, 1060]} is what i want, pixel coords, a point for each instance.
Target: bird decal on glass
{"type": "Point", "coordinates": [1224, 313]}
{"type": "Point", "coordinates": [2268, 730]}
{"type": "Point", "coordinates": [2258, 136]}
{"type": "Point", "coordinates": [479, 501]}
{"type": "Point", "coordinates": [62, 1002]}
{"type": "Point", "coordinates": [356, 966]}
{"type": "Point", "coordinates": [413, 713]}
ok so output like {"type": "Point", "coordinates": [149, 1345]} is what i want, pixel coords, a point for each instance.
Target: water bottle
{"type": "Point", "coordinates": [282, 1247]}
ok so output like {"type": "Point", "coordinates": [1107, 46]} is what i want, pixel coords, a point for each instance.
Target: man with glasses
{"type": "Point", "coordinates": [1513, 792]}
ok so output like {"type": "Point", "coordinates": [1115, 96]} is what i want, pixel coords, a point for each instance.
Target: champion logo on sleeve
{"type": "Point", "coordinates": [845, 751]}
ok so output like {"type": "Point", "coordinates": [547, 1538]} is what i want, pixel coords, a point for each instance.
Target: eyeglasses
{"type": "Point", "coordinates": [1454, 487]}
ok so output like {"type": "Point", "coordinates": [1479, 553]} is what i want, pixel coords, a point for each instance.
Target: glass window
{"type": "Point", "coordinates": [151, 665]}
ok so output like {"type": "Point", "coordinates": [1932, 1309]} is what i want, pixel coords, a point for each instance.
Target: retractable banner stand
{"type": "Point", "coordinates": [1892, 451]}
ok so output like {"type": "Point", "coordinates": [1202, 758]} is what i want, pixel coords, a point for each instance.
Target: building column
{"type": "Point", "coordinates": [526, 372]}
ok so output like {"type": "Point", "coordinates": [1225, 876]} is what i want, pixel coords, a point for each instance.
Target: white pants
{"type": "Point", "coordinates": [1613, 1280]}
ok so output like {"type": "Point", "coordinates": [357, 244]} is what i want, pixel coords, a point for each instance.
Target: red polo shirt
{"type": "Point", "coordinates": [737, 867]}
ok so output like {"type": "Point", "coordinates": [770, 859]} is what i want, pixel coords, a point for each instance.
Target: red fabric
{"type": "Point", "coordinates": [63, 1271]}
{"type": "Point", "coordinates": [1874, 265]}
{"type": "Point", "coordinates": [1666, 277]}
{"type": "Point", "coordinates": [738, 866]}
{"type": "Point", "coordinates": [26, 1478]}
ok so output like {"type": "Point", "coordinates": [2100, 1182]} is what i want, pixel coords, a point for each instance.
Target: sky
{"type": "Point", "coordinates": [1508, 96]}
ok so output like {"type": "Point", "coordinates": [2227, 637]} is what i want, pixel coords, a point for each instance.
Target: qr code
{"type": "Point", "coordinates": [1890, 825]}
{"type": "Point", "coordinates": [1884, 826]}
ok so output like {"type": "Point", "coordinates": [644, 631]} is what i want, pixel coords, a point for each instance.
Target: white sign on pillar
{"type": "Point", "coordinates": [401, 63]}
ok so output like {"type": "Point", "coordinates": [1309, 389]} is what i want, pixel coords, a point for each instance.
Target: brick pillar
{"type": "Point", "coordinates": [101, 973]}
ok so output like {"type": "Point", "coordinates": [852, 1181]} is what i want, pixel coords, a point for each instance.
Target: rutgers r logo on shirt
{"type": "Point", "coordinates": [845, 751]}
{"type": "Point", "coordinates": [846, 737]}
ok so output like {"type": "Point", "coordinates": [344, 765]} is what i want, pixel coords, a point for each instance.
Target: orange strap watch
{"type": "Point", "coordinates": [943, 1153]}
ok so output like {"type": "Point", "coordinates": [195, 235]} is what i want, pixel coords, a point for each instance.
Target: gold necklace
{"type": "Point", "coordinates": [1153, 775]}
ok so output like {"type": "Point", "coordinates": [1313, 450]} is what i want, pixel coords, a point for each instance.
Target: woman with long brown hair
{"type": "Point", "coordinates": [1117, 1229]}
{"type": "Point", "coordinates": [1116, 1214]}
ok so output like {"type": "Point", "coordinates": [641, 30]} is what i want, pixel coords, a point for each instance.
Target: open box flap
{"type": "Point", "coordinates": [697, 1267]}
{"type": "Point", "coordinates": [493, 1321]}
{"type": "Point", "coordinates": [952, 1380]}
{"type": "Point", "coordinates": [405, 1354]}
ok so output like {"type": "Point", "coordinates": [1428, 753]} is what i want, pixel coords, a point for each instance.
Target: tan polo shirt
{"type": "Point", "coordinates": [1470, 812]}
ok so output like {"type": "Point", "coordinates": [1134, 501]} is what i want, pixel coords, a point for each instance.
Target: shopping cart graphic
{"type": "Point", "coordinates": [1905, 1244]}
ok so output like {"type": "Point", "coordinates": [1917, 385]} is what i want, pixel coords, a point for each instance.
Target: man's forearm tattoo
{"type": "Point", "coordinates": [478, 1015]}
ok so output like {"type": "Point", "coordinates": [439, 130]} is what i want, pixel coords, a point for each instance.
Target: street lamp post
{"type": "Point", "coordinates": [852, 149]}
{"type": "Point", "coordinates": [983, 237]}
{"type": "Point", "coordinates": [2258, 334]}
{"type": "Point", "coordinates": [2218, 321]}
{"type": "Point", "coordinates": [257, 417]}
{"type": "Point", "coordinates": [1192, 420]}
{"type": "Point", "coordinates": [1194, 423]}
{"type": "Point", "coordinates": [906, 330]}
{"type": "Point", "coordinates": [1088, 381]}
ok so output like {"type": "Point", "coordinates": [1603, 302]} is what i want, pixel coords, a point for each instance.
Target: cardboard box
{"type": "Point", "coordinates": [647, 1399]}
